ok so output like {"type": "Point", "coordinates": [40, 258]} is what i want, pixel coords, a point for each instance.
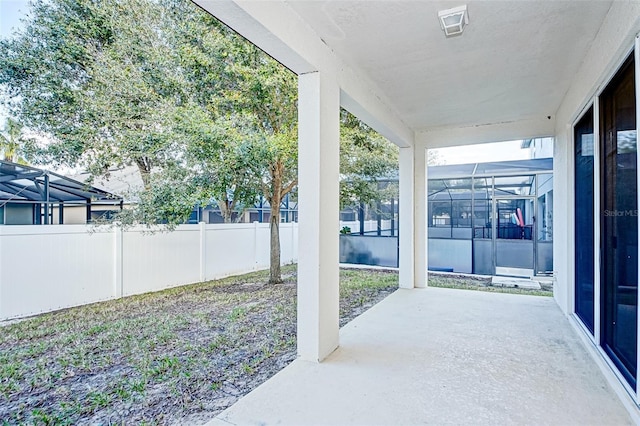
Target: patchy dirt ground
{"type": "Point", "coordinates": [172, 357]}
{"type": "Point", "coordinates": [483, 283]}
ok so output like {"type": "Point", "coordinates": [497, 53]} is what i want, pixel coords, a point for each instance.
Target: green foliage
{"type": "Point", "coordinates": [345, 230]}
{"type": "Point", "coordinates": [366, 158]}
{"type": "Point", "coordinates": [123, 82]}
{"type": "Point", "coordinates": [13, 144]}
{"type": "Point", "coordinates": [169, 203]}
{"type": "Point", "coordinates": [221, 170]}
{"type": "Point", "coordinates": [46, 71]}
{"type": "Point", "coordinates": [266, 94]}
{"type": "Point", "coordinates": [159, 84]}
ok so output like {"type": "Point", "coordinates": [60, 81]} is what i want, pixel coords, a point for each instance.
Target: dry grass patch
{"type": "Point", "coordinates": [180, 355]}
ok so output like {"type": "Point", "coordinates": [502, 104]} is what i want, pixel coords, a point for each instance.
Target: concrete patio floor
{"type": "Point", "coordinates": [441, 356]}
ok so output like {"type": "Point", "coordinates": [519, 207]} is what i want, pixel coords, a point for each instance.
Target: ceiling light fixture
{"type": "Point", "coordinates": [454, 20]}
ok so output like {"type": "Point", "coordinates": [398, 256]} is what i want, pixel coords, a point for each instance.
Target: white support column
{"type": "Point", "coordinates": [420, 197]}
{"type": "Point", "coordinates": [318, 181]}
{"type": "Point", "coordinates": [563, 219]}
{"type": "Point", "coordinates": [405, 219]}
{"type": "Point", "coordinates": [412, 209]}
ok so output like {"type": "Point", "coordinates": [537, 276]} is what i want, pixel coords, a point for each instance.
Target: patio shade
{"type": "Point", "coordinates": [25, 184]}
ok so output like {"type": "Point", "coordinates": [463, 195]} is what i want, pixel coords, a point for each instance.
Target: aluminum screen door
{"type": "Point", "coordinates": [515, 236]}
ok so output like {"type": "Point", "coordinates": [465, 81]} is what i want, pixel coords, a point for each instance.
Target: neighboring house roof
{"type": "Point", "coordinates": [123, 182]}
{"type": "Point", "coordinates": [26, 184]}
{"type": "Point", "coordinates": [459, 171]}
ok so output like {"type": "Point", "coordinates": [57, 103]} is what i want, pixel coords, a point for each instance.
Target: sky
{"type": "Point", "coordinates": [482, 153]}
{"type": "Point", "coordinates": [10, 13]}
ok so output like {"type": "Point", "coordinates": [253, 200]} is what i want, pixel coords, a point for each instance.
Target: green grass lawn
{"type": "Point", "coordinates": [179, 355]}
{"type": "Point", "coordinates": [175, 356]}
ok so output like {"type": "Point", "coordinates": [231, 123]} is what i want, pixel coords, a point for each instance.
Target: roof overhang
{"type": "Point", "coordinates": [505, 77]}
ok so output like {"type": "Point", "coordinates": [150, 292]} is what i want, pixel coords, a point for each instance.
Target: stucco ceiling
{"type": "Point", "coordinates": [514, 61]}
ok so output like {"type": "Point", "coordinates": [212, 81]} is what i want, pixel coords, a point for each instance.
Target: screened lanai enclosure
{"type": "Point", "coordinates": [484, 218]}
{"type": "Point", "coordinates": [491, 218]}
{"type": "Point", "coordinates": [369, 232]}
{"type": "Point", "coordinates": [31, 196]}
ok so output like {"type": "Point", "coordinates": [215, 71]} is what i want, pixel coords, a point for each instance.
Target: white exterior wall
{"type": "Point", "coordinates": [614, 42]}
{"type": "Point", "coordinates": [18, 214]}
{"type": "Point", "coordinates": [612, 45]}
{"type": "Point", "coordinates": [563, 238]}
{"type": "Point", "coordinates": [45, 268]}
{"type": "Point", "coordinates": [76, 215]}
{"type": "Point", "coordinates": [542, 148]}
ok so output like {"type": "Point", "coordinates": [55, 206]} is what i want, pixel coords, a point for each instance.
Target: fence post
{"type": "Point", "coordinates": [255, 245]}
{"type": "Point", "coordinates": [118, 283]}
{"type": "Point", "coordinates": [203, 251]}
{"type": "Point", "coordinates": [1, 292]}
{"type": "Point", "coordinates": [293, 242]}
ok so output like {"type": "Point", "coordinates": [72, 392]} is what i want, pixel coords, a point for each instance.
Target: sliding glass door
{"type": "Point", "coordinates": [619, 222]}
{"type": "Point", "coordinates": [584, 223]}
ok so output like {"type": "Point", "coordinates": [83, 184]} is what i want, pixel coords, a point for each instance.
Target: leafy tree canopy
{"type": "Point", "coordinates": [368, 162]}
{"type": "Point", "coordinates": [162, 85]}
{"type": "Point", "coordinates": [14, 145]}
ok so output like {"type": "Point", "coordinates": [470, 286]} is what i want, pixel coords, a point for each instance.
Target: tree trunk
{"type": "Point", "coordinates": [277, 170]}
{"type": "Point", "coordinates": [144, 166]}
{"type": "Point", "coordinates": [226, 210]}
{"type": "Point", "coordinates": [275, 275]}
{"type": "Point", "coordinates": [277, 193]}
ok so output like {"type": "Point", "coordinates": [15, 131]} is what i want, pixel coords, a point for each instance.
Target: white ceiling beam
{"type": "Point", "coordinates": [484, 133]}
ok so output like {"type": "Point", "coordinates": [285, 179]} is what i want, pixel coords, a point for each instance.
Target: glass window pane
{"type": "Point", "coordinates": [619, 221]}
{"type": "Point", "coordinates": [584, 164]}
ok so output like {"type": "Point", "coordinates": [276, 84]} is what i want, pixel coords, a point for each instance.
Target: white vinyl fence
{"type": "Point", "coordinates": [369, 225]}
{"type": "Point", "coordinates": [44, 268]}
